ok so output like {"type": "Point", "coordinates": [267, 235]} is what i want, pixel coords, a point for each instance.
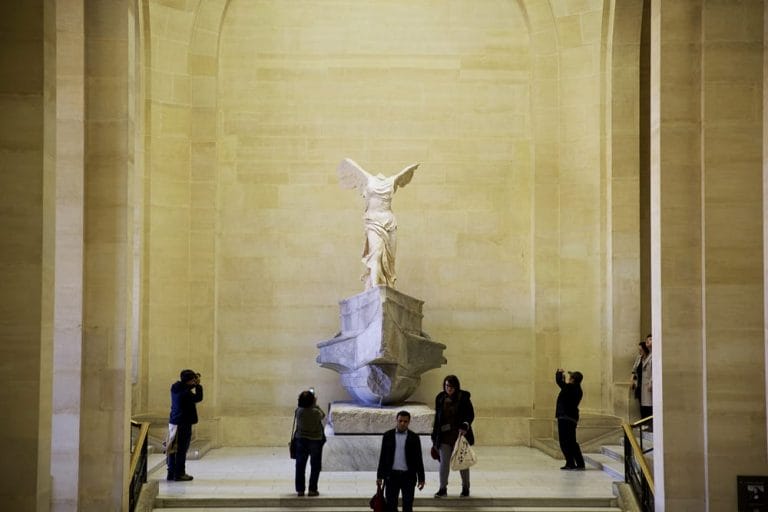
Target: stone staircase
{"type": "Point", "coordinates": [602, 444]}
{"type": "Point", "coordinates": [211, 499]}
{"type": "Point", "coordinates": [605, 452]}
{"type": "Point", "coordinates": [422, 504]}
{"type": "Point", "coordinates": [419, 508]}
{"type": "Point", "coordinates": [610, 458]}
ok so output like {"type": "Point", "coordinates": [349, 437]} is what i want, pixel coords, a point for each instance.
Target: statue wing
{"type": "Point", "coordinates": [404, 177]}
{"type": "Point", "coordinates": [352, 175]}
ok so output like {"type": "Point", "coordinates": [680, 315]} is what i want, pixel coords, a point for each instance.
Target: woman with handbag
{"type": "Point", "coordinates": [308, 438]}
{"type": "Point", "coordinates": [453, 418]}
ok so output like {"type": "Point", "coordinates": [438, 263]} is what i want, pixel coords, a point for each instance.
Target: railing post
{"type": "Point", "coordinates": [139, 463]}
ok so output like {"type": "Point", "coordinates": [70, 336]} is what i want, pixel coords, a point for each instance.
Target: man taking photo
{"type": "Point", "coordinates": [185, 393]}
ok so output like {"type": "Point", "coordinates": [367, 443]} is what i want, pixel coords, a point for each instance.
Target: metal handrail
{"type": "Point", "coordinates": [636, 470]}
{"type": "Point", "coordinates": [138, 467]}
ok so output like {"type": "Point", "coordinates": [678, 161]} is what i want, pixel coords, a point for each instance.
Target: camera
{"type": "Point", "coordinates": [312, 390]}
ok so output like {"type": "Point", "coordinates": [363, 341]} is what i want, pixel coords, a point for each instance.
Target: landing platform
{"type": "Point", "coordinates": [263, 477]}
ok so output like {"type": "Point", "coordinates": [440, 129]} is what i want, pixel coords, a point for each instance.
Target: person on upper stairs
{"type": "Point", "coordinates": [185, 394]}
{"type": "Point", "coordinates": [567, 414]}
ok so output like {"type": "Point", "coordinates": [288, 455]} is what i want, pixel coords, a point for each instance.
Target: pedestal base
{"type": "Point", "coordinates": [381, 351]}
{"type": "Point", "coordinates": [351, 418]}
{"type": "Point", "coordinates": [354, 434]}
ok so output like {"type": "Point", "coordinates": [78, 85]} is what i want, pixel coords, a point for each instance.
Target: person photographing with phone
{"type": "Point", "coordinates": [567, 413]}
{"type": "Point", "coordinates": [310, 439]}
{"type": "Point", "coordinates": [185, 394]}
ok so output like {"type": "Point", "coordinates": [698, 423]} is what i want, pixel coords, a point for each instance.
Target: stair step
{"type": "Point", "coordinates": [549, 504]}
{"type": "Point", "coordinates": [420, 508]}
{"type": "Point", "coordinates": [614, 451]}
{"type": "Point", "coordinates": [606, 463]}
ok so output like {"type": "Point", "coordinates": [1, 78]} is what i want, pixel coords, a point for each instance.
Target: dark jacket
{"type": "Point", "coordinates": [412, 455]}
{"type": "Point", "coordinates": [465, 415]}
{"type": "Point", "coordinates": [183, 400]}
{"type": "Point", "coordinates": [568, 400]}
{"type": "Point", "coordinates": [309, 423]}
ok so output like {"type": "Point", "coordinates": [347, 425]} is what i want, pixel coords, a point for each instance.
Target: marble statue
{"type": "Point", "coordinates": [380, 351]}
{"type": "Point", "coordinates": [380, 223]}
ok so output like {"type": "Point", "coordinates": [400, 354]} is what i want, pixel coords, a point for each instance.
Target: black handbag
{"type": "Point", "coordinates": [378, 503]}
{"type": "Point", "coordinates": [292, 442]}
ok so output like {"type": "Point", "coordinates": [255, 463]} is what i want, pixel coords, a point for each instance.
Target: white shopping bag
{"type": "Point", "coordinates": [463, 455]}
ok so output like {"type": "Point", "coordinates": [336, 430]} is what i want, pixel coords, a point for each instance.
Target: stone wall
{"type": "Point", "coordinates": [501, 231]}
{"type": "Point", "coordinates": [25, 255]}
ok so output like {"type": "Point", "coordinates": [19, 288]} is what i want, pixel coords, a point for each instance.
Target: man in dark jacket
{"type": "Point", "coordinates": [401, 465]}
{"type": "Point", "coordinates": [567, 413]}
{"type": "Point", "coordinates": [185, 393]}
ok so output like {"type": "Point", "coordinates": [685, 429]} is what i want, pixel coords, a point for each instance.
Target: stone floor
{"type": "Point", "coordinates": [246, 477]}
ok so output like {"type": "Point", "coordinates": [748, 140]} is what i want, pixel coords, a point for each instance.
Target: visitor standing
{"type": "Point", "coordinates": [454, 415]}
{"type": "Point", "coordinates": [309, 442]}
{"type": "Point", "coordinates": [185, 394]}
{"type": "Point", "coordinates": [567, 414]}
{"type": "Point", "coordinates": [401, 466]}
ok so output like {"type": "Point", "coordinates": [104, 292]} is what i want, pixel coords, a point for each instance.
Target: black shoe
{"type": "Point", "coordinates": [441, 493]}
{"type": "Point", "coordinates": [313, 493]}
{"type": "Point", "coordinates": [300, 493]}
{"type": "Point", "coordinates": [184, 478]}
{"type": "Point", "coordinates": [568, 468]}
{"type": "Point", "coordinates": [580, 468]}
{"type": "Point", "coordinates": [464, 492]}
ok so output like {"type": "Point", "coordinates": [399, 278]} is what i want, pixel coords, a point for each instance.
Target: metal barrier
{"type": "Point", "coordinates": [139, 458]}
{"type": "Point", "coordinates": [636, 471]}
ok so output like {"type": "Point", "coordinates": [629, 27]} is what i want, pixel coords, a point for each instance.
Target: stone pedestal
{"type": "Point", "coordinates": [354, 434]}
{"type": "Point", "coordinates": [381, 350]}
{"type": "Point", "coordinates": [350, 418]}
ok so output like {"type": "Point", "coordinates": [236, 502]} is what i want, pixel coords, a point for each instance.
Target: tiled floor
{"type": "Point", "coordinates": [501, 472]}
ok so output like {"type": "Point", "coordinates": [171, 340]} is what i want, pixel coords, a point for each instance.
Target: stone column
{"type": "Point", "coordinates": [732, 224]}
{"type": "Point", "coordinates": [105, 401]}
{"type": "Point", "coordinates": [709, 386]}
{"type": "Point", "coordinates": [68, 127]}
{"type": "Point", "coordinates": [676, 259]}
{"type": "Point", "coordinates": [546, 231]}
{"type": "Point", "coordinates": [25, 257]}
{"type": "Point", "coordinates": [623, 199]}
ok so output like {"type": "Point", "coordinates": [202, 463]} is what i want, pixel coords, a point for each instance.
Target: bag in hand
{"type": "Point", "coordinates": [463, 456]}
{"type": "Point", "coordinates": [292, 442]}
{"type": "Point", "coordinates": [378, 503]}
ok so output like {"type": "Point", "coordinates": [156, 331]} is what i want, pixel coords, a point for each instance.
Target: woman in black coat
{"type": "Point", "coordinates": [567, 413]}
{"type": "Point", "coordinates": [453, 417]}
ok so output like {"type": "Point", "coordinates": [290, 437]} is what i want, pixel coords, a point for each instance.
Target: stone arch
{"type": "Point", "coordinates": [180, 65]}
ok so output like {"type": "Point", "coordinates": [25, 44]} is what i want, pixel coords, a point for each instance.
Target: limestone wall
{"type": "Point", "coordinates": [25, 256]}
{"type": "Point", "coordinates": [386, 84]}
{"type": "Point", "coordinates": [251, 242]}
